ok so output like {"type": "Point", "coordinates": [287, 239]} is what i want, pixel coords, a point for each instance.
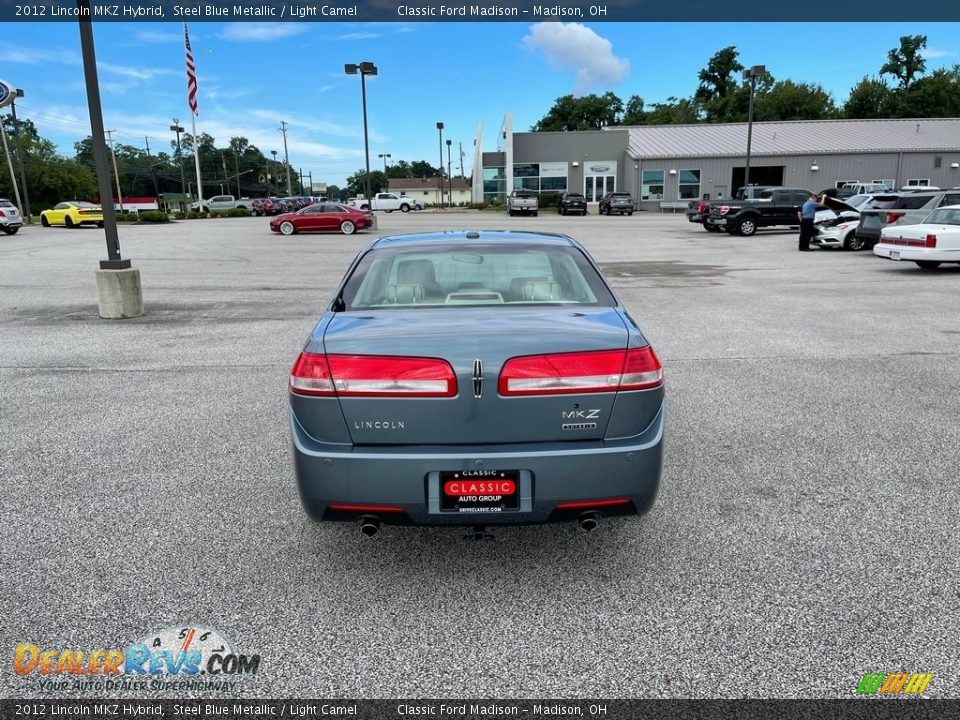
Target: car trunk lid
{"type": "Point", "coordinates": [476, 350]}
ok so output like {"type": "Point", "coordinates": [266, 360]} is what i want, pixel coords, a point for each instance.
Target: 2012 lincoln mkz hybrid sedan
{"type": "Point", "coordinates": [476, 378]}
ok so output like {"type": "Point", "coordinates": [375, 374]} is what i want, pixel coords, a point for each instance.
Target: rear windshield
{"type": "Point", "coordinates": [912, 202]}
{"type": "Point", "coordinates": [944, 216]}
{"type": "Point", "coordinates": [6, 203]}
{"type": "Point", "coordinates": [481, 274]}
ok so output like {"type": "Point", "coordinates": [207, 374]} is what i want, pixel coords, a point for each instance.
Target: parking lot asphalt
{"type": "Point", "coordinates": [805, 534]}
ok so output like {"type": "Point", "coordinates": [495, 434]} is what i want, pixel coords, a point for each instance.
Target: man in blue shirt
{"type": "Point", "coordinates": [807, 214]}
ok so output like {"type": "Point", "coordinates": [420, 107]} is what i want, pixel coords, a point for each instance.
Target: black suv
{"type": "Point", "coordinates": [905, 208]}
{"type": "Point", "coordinates": [618, 202]}
{"type": "Point", "coordinates": [572, 203]}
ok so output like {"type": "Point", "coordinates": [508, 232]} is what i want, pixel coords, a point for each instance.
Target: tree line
{"type": "Point", "coordinates": [52, 177]}
{"type": "Point", "coordinates": [901, 89]}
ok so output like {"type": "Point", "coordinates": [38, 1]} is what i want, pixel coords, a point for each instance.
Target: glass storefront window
{"type": "Point", "coordinates": [527, 183]}
{"type": "Point", "coordinates": [553, 184]}
{"type": "Point", "coordinates": [652, 185]}
{"type": "Point", "coordinates": [688, 184]}
{"type": "Point", "coordinates": [526, 170]}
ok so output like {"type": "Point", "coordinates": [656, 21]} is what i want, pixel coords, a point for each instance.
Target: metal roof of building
{"type": "Point", "coordinates": [800, 137]}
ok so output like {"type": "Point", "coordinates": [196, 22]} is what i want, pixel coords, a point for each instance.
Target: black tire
{"type": "Point", "coordinates": [562, 211]}
{"type": "Point", "coordinates": [711, 228]}
{"type": "Point", "coordinates": [747, 226]}
{"type": "Point", "coordinates": [364, 207]}
{"type": "Point", "coordinates": [404, 208]}
{"type": "Point", "coordinates": [347, 227]}
{"type": "Point", "coordinates": [287, 228]}
{"type": "Point", "coordinates": [44, 221]}
{"type": "Point", "coordinates": [68, 221]}
{"type": "Point", "coordinates": [630, 213]}
{"type": "Point", "coordinates": [534, 214]}
{"type": "Point", "coordinates": [510, 213]}
{"type": "Point", "coordinates": [928, 264]}
{"type": "Point", "coordinates": [11, 230]}
{"type": "Point", "coordinates": [852, 242]}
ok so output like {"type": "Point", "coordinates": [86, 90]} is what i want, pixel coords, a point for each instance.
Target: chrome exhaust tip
{"type": "Point", "coordinates": [589, 522]}
{"type": "Point", "coordinates": [369, 526]}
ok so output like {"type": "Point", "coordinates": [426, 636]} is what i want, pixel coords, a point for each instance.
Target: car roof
{"type": "Point", "coordinates": [472, 237]}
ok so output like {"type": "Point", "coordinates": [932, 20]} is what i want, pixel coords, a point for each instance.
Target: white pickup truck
{"type": "Point", "coordinates": [388, 202]}
{"type": "Point", "coordinates": [222, 202]}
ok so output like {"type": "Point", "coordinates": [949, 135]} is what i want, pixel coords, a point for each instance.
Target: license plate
{"type": "Point", "coordinates": [480, 491]}
{"type": "Point", "coordinates": [721, 221]}
{"type": "Point", "coordinates": [894, 254]}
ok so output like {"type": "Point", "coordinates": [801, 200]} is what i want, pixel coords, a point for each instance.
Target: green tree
{"type": "Point", "coordinates": [675, 111]}
{"type": "Point", "coordinates": [788, 100]}
{"type": "Point", "coordinates": [356, 183]}
{"type": "Point", "coordinates": [869, 99]}
{"type": "Point", "coordinates": [421, 168]}
{"type": "Point", "coordinates": [906, 62]}
{"type": "Point", "coordinates": [634, 113]}
{"type": "Point", "coordinates": [590, 112]}
{"type": "Point", "coordinates": [716, 79]}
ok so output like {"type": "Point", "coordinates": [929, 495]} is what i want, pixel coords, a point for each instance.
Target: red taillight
{"type": "Point", "coordinates": [352, 507]}
{"type": "Point", "coordinates": [372, 376]}
{"type": "Point", "coordinates": [583, 504]}
{"type": "Point", "coordinates": [2, 214]}
{"type": "Point", "coordinates": [582, 372]}
{"type": "Point", "coordinates": [892, 217]}
{"type": "Point", "coordinates": [724, 209]}
{"type": "Point", "coordinates": [702, 208]}
{"type": "Point", "coordinates": [930, 241]}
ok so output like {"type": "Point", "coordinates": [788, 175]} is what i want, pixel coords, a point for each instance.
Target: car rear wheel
{"type": "Point", "coordinates": [928, 264]}
{"type": "Point", "coordinates": [100, 224]}
{"type": "Point", "coordinates": [747, 227]}
{"type": "Point", "coordinates": [11, 230]}
{"type": "Point", "coordinates": [852, 242]}
{"type": "Point", "coordinates": [68, 222]}
{"type": "Point", "coordinates": [287, 228]}
{"type": "Point", "coordinates": [347, 227]}
{"type": "Point", "coordinates": [44, 221]}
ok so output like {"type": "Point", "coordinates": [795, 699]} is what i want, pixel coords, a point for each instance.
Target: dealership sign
{"type": "Point", "coordinates": [7, 93]}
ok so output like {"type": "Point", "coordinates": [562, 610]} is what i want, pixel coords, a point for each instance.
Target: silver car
{"type": "Point", "coordinates": [10, 219]}
{"type": "Point", "coordinates": [476, 378]}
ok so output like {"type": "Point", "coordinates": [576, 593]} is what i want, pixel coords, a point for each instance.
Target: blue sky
{"type": "Point", "coordinates": [253, 76]}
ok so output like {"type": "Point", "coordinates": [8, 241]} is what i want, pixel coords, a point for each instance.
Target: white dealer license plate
{"type": "Point", "coordinates": [894, 254]}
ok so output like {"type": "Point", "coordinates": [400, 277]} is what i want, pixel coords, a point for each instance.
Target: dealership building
{"type": "Point", "coordinates": [665, 166]}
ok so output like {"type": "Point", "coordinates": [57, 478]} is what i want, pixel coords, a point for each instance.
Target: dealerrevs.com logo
{"type": "Point", "coordinates": [177, 658]}
{"type": "Point", "coordinates": [899, 683]}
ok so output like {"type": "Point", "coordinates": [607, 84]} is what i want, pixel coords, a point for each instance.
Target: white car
{"type": "Point", "coordinates": [10, 219]}
{"type": "Point", "coordinates": [934, 241]}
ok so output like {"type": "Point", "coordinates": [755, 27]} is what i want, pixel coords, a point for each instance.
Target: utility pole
{"type": "Point", "coordinates": [115, 173]}
{"type": "Point", "coordinates": [461, 160]}
{"type": "Point", "coordinates": [286, 156]}
{"type": "Point", "coordinates": [183, 181]}
{"type": "Point", "coordinates": [236, 167]}
{"type": "Point", "coordinates": [153, 171]}
{"type": "Point", "coordinates": [223, 161]}
{"type": "Point", "coordinates": [23, 176]}
{"type": "Point", "coordinates": [310, 175]}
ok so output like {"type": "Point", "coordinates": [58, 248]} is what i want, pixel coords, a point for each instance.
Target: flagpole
{"type": "Point", "coordinates": [192, 102]}
{"type": "Point", "coordinates": [196, 161]}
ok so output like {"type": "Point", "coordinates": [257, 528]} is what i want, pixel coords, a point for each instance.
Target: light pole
{"type": "Point", "coordinates": [449, 171]}
{"type": "Point", "coordinates": [386, 178]}
{"type": "Point", "coordinates": [364, 69]}
{"type": "Point", "coordinates": [440, 130]}
{"type": "Point", "coordinates": [183, 183]}
{"type": "Point", "coordinates": [18, 93]}
{"type": "Point", "coordinates": [273, 171]}
{"type": "Point", "coordinates": [750, 75]}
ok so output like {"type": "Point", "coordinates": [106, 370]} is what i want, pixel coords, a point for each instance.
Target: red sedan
{"type": "Point", "coordinates": [320, 217]}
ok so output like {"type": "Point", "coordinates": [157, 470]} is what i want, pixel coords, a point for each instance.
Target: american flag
{"type": "Point", "coordinates": [191, 72]}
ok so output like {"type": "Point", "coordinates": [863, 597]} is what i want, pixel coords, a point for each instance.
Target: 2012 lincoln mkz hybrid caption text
{"type": "Point", "coordinates": [476, 378]}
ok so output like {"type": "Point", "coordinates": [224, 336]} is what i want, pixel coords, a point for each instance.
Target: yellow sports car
{"type": "Point", "coordinates": [73, 213]}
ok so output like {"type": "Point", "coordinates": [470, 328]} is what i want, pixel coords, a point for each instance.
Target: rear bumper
{"type": "Point", "coordinates": [903, 252]}
{"type": "Point", "coordinates": [408, 477]}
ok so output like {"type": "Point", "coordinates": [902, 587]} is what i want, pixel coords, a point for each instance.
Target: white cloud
{"type": "Point", "coordinates": [133, 72]}
{"type": "Point", "coordinates": [572, 46]}
{"type": "Point", "coordinates": [359, 36]}
{"type": "Point", "coordinates": [261, 32]}
{"type": "Point", "coordinates": [932, 54]}
{"type": "Point", "coordinates": [152, 36]}
{"type": "Point", "coordinates": [34, 56]}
